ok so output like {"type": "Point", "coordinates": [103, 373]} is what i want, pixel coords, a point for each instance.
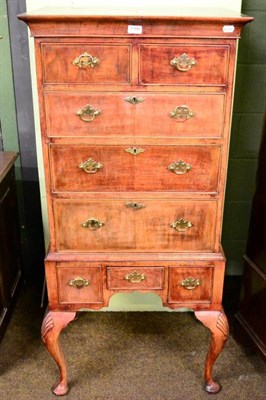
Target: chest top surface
{"type": "Point", "coordinates": [185, 21]}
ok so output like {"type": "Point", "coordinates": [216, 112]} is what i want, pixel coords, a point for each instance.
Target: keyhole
{"type": "Point", "coordinates": [134, 100]}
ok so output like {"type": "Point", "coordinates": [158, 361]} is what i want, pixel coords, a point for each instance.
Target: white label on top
{"type": "Point", "coordinates": [228, 28]}
{"type": "Point", "coordinates": [134, 29]}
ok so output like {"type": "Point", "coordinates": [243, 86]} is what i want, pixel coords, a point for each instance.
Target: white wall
{"type": "Point", "coordinates": [119, 302]}
{"type": "Point", "coordinates": [229, 4]}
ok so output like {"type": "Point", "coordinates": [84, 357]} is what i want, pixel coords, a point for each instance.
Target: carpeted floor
{"type": "Point", "coordinates": [123, 356]}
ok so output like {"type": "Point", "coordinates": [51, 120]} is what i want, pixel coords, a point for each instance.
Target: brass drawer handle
{"type": "Point", "coordinates": [92, 224]}
{"type": "Point", "coordinates": [190, 283]}
{"type": "Point", "coordinates": [183, 63]}
{"type": "Point", "coordinates": [86, 60]}
{"type": "Point", "coordinates": [134, 206]}
{"type": "Point", "coordinates": [135, 277]}
{"type": "Point", "coordinates": [182, 113]}
{"type": "Point", "coordinates": [179, 168]}
{"type": "Point", "coordinates": [87, 113]}
{"type": "Point", "coordinates": [181, 225]}
{"type": "Point", "coordinates": [134, 151]}
{"type": "Point", "coordinates": [134, 100]}
{"type": "Point", "coordinates": [90, 166]}
{"type": "Point", "coordinates": [78, 282]}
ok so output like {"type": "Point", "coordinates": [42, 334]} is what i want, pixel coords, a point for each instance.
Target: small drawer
{"type": "Point", "coordinates": [190, 284]}
{"type": "Point", "coordinates": [143, 278]}
{"type": "Point", "coordinates": [183, 64]}
{"type": "Point", "coordinates": [79, 284]}
{"type": "Point", "coordinates": [86, 63]}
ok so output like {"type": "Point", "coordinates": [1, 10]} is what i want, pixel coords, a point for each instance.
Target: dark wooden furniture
{"type": "Point", "coordinates": [135, 119]}
{"type": "Point", "coordinates": [10, 268]}
{"type": "Point", "coordinates": [250, 327]}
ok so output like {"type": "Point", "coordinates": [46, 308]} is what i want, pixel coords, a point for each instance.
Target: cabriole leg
{"type": "Point", "coordinates": [217, 322]}
{"type": "Point", "coordinates": [54, 322]}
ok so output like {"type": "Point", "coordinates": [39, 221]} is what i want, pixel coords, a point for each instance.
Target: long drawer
{"type": "Point", "coordinates": [142, 225]}
{"type": "Point", "coordinates": [86, 63]}
{"type": "Point", "coordinates": [82, 168]}
{"type": "Point", "coordinates": [183, 64]}
{"type": "Point", "coordinates": [134, 114]}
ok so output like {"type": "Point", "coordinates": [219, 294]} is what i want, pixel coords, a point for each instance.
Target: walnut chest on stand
{"type": "Point", "coordinates": [135, 114]}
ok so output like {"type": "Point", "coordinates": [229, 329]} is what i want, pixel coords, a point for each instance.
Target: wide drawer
{"type": "Point", "coordinates": [142, 225]}
{"type": "Point", "coordinates": [134, 114]}
{"type": "Point", "coordinates": [191, 283]}
{"type": "Point", "coordinates": [178, 64]}
{"type": "Point", "coordinates": [86, 63]}
{"type": "Point", "coordinates": [78, 284]}
{"type": "Point", "coordinates": [135, 278]}
{"type": "Point", "coordinates": [82, 168]}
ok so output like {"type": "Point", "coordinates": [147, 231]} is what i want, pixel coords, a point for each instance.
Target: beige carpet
{"type": "Point", "coordinates": [123, 356]}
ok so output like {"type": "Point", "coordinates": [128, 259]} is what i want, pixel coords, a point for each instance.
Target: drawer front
{"type": "Point", "coordinates": [88, 114]}
{"type": "Point", "coordinates": [157, 115]}
{"type": "Point", "coordinates": [78, 284]}
{"type": "Point", "coordinates": [190, 283]}
{"type": "Point", "coordinates": [177, 168]}
{"type": "Point", "coordinates": [91, 168]}
{"type": "Point", "coordinates": [183, 64]}
{"type": "Point", "coordinates": [86, 63]}
{"type": "Point", "coordinates": [135, 225]}
{"type": "Point", "coordinates": [77, 228]}
{"type": "Point", "coordinates": [180, 225]}
{"type": "Point", "coordinates": [135, 278]}
{"type": "Point", "coordinates": [113, 168]}
{"type": "Point", "coordinates": [180, 115]}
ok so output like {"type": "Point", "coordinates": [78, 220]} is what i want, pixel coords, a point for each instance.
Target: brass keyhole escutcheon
{"type": "Point", "coordinates": [134, 99]}
{"type": "Point", "coordinates": [134, 151]}
{"type": "Point", "coordinates": [134, 206]}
